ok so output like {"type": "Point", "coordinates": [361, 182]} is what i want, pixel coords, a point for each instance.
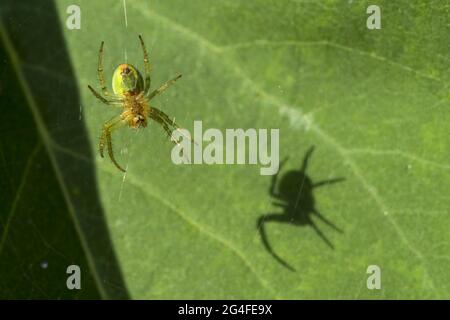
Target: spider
{"type": "Point", "coordinates": [295, 197]}
{"type": "Point", "coordinates": [132, 94]}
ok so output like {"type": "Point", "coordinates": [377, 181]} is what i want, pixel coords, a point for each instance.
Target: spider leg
{"type": "Point", "coordinates": [114, 102]}
{"type": "Point", "coordinates": [147, 67]}
{"type": "Point", "coordinates": [163, 87]}
{"type": "Point", "coordinates": [167, 123]}
{"type": "Point", "coordinates": [105, 138]}
{"type": "Point", "coordinates": [169, 134]}
{"type": "Point", "coordinates": [158, 116]}
{"type": "Point", "coordinates": [101, 77]}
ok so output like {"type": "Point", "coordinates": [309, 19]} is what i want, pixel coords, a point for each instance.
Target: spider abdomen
{"type": "Point", "coordinates": [127, 79]}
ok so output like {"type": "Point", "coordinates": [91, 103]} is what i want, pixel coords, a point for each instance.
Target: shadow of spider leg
{"type": "Point", "coordinates": [262, 231]}
{"type": "Point", "coordinates": [317, 213]}
{"type": "Point", "coordinates": [319, 232]}
{"type": "Point", "coordinates": [327, 182]}
{"type": "Point", "coordinates": [320, 216]}
{"type": "Point", "coordinates": [294, 195]}
{"type": "Point", "coordinates": [109, 126]}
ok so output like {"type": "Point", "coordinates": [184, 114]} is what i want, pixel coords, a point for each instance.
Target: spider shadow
{"type": "Point", "coordinates": [294, 195]}
{"type": "Point", "coordinates": [66, 194]}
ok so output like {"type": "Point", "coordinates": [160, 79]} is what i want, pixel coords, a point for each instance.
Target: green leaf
{"type": "Point", "coordinates": [373, 103]}
{"type": "Point", "coordinates": [50, 215]}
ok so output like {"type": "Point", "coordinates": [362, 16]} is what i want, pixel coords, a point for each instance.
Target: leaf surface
{"type": "Point", "coordinates": [373, 103]}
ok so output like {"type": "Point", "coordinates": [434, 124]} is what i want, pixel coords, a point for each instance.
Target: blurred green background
{"type": "Point", "coordinates": [374, 103]}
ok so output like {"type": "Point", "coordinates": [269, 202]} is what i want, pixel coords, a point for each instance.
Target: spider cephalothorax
{"type": "Point", "coordinates": [131, 93]}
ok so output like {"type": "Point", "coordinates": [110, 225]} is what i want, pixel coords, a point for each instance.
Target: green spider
{"type": "Point", "coordinates": [132, 94]}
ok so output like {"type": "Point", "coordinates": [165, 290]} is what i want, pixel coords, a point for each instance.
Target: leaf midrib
{"type": "Point", "coordinates": [47, 141]}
